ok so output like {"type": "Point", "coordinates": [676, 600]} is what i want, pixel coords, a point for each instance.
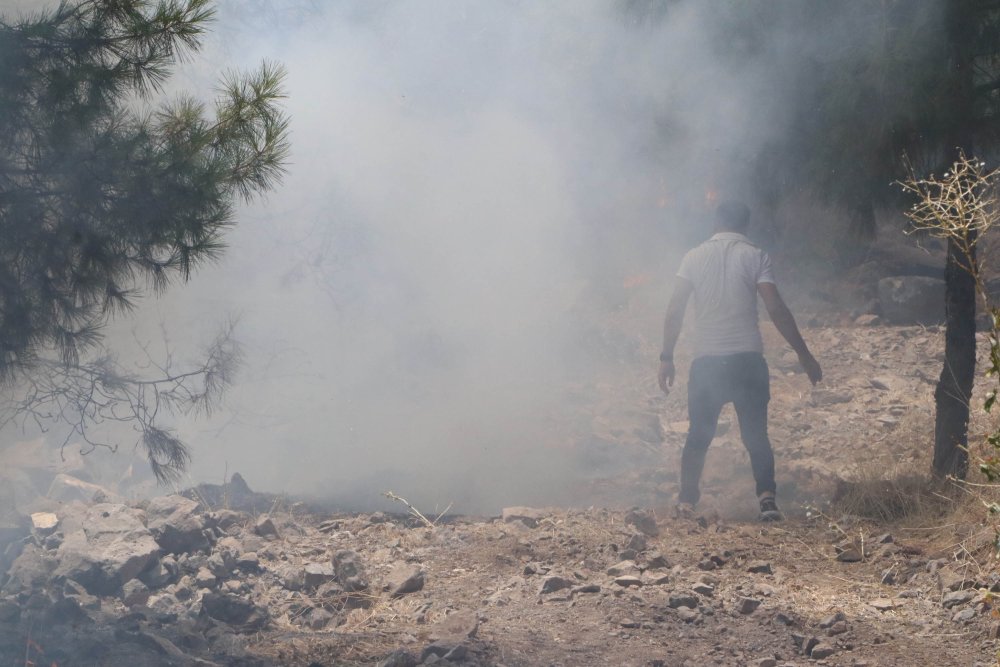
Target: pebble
{"type": "Point", "coordinates": [747, 605]}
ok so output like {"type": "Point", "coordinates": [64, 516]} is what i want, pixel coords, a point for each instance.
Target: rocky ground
{"type": "Point", "coordinates": [859, 574]}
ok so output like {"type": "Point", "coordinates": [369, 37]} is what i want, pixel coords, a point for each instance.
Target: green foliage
{"type": "Point", "coordinates": [103, 194]}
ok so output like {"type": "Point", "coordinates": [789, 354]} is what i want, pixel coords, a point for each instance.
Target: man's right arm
{"type": "Point", "coordinates": [785, 323]}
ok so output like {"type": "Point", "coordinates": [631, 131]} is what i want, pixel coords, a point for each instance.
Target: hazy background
{"type": "Point", "coordinates": [472, 184]}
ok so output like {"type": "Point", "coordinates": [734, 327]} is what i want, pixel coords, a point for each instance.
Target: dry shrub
{"type": "Point", "coordinates": [901, 497]}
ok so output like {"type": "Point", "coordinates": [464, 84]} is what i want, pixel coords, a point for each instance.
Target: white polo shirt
{"type": "Point", "coordinates": [724, 272]}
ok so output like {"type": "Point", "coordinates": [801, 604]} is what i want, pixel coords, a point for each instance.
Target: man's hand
{"type": "Point", "coordinates": [811, 367]}
{"type": "Point", "coordinates": [666, 376]}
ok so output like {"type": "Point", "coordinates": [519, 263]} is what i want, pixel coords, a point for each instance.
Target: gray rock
{"type": "Point", "coordinates": [292, 577]}
{"type": "Point", "coordinates": [625, 567]}
{"type": "Point", "coordinates": [248, 562]}
{"type": "Point", "coordinates": [838, 628]}
{"type": "Point", "coordinates": [703, 589]}
{"type": "Point", "coordinates": [759, 567]}
{"type": "Point", "coordinates": [829, 621]}
{"type": "Point", "coordinates": [349, 571]}
{"type": "Point", "coordinates": [628, 581]}
{"type": "Point", "coordinates": [644, 522]}
{"type": "Point", "coordinates": [767, 662]}
{"type": "Point", "coordinates": [238, 612]}
{"type": "Point", "coordinates": [399, 658]}
{"type": "Point", "coordinates": [264, 526]}
{"type": "Point", "coordinates": [912, 299]}
{"type": "Point", "coordinates": [176, 525]}
{"type": "Point", "coordinates": [404, 579]}
{"type": "Point", "coordinates": [637, 542]}
{"type": "Point", "coordinates": [31, 570]}
{"type": "Point", "coordinates": [682, 600]}
{"type": "Point", "coordinates": [455, 627]}
{"type": "Point", "coordinates": [822, 651]}
{"type": "Point", "coordinates": [111, 548]}
{"type": "Point", "coordinates": [553, 584]}
{"type": "Point", "coordinates": [205, 579]}
{"type": "Point", "coordinates": [317, 574]}
{"type": "Point", "coordinates": [317, 618]}
{"type": "Point", "coordinates": [657, 561]}
{"type": "Point", "coordinates": [747, 605]}
{"type": "Point", "coordinates": [956, 598]}
{"type": "Point", "coordinates": [135, 593]}
{"type": "Point", "coordinates": [529, 516]}
{"type": "Point", "coordinates": [883, 604]}
{"type": "Point", "coordinates": [688, 615]}
{"type": "Point", "coordinates": [965, 615]}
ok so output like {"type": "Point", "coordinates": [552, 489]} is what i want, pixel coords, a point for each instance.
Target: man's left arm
{"type": "Point", "coordinates": [672, 324]}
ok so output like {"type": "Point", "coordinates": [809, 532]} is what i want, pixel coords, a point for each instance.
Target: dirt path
{"type": "Point", "coordinates": [692, 600]}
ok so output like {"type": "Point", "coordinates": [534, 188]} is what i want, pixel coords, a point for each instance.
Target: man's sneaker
{"type": "Point", "coordinates": [769, 510]}
{"type": "Point", "coordinates": [684, 511]}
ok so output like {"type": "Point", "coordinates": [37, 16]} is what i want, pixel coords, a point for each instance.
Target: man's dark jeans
{"type": "Point", "coordinates": [741, 379]}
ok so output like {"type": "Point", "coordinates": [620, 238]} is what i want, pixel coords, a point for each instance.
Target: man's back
{"type": "Point", "coordinates": [724, 273]}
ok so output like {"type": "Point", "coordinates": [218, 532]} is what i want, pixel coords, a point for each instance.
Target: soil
{"type": "Point", "coordinates": [880, 577]}
{"type": "Point", "coordinates": [869, 420]}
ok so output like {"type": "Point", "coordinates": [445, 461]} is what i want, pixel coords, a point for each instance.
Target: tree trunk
{"type": "Point", "coordinates": [954, 389]}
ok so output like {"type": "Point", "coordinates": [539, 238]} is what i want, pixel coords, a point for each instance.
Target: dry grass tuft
{"type": "Point", "coordinates": [903, 497]}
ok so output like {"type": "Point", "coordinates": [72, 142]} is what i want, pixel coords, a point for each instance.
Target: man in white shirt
{"type": "Point", "coordinates": [725, 274]}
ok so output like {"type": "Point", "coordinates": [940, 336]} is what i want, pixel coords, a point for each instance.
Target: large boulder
{"type": "Point", "coordinates": [176, 524]}
{"type": "Point", "coordinates": [109, 547]}
{"type": "Point", "coordinates": [912, 299]}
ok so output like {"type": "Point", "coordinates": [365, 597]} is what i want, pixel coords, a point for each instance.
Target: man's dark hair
{"type": "Point", "coordinates": [732, 216]}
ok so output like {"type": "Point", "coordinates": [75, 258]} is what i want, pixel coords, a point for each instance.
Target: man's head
{"type": "Point", "coordinates": [732, 216]}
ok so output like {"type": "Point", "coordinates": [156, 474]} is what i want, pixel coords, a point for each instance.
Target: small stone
{"type": "Point", "coordinates": [205, 579]}
{"type": "Point", "coordinates": [637, 542]}
{"type": "Point", "coordinates": [135, 593]}
{"type": "Point", "coordinates": [767, 662]}
{"type": "Point", "coordinates": [657, 561]}
{"type": "Point", "coordinates": [625, 567]}
{"type": "Point", "coordinates": [264, 526]}
{"type": "Point", "coordinates": [808, 644]}
{"type": "Point", "coordinates": [248, 562]}
{"type": "Point", "coordinates": [317, 574]}
{"type": "Point", "coordinates": [783, 619]}
{"type": "Point", "coordinates": [889, 577]}
{"type": "Point", "coordinates": [850, 555]}
{"type": "Point", "coordinates": [44, 523]}
{"type": "Point", "coordinates": [838, 628]}
{"type": "Point", "coordinates": [885, 538]}
{"type": "Point", "coordinates": [318, 618]}
{"type": "Point", "coordinates": [829, 621]}
{"type": "Point", "coordinates": [688, 615]}
{"type": "Point", "coordinates": [643, 521]}
{"type": "Point", "coordinates": [528, 516]}
{"type": "Point", "coordinates": [629, 623]}
{"type": "Point", "coordinates": [404, 579]}
{"type": "Point", "coordinates": [707, 565]}
{"type": "Point", "coordinates": [765, 590]}
{"type": "Point", "coordinates": [759, 567]}
{"type": "Point", "coordinates": [956, 598]}
{"type": "Point", "coordinates": [628, 580]}
{"type": "Point", "coordinates": [822, 651]}
{"type": "Point", "coordinates": [682, 600]}
{"type": "Point", "coordinates": [655, 579]}
{"type": "Point", "coordinates": [554, 583]}
{"type": "Point", "coordinates": [704, 589]}
{"type": "Point", "coordinates": [587, 588]}
{"type": "Point", "coordinates": [883, 604]}
{"type": "Point", "coordinates": [747, 605]}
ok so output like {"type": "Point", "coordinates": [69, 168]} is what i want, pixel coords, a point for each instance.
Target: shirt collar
{"type": "Point", "coordinates": [729, 236]}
